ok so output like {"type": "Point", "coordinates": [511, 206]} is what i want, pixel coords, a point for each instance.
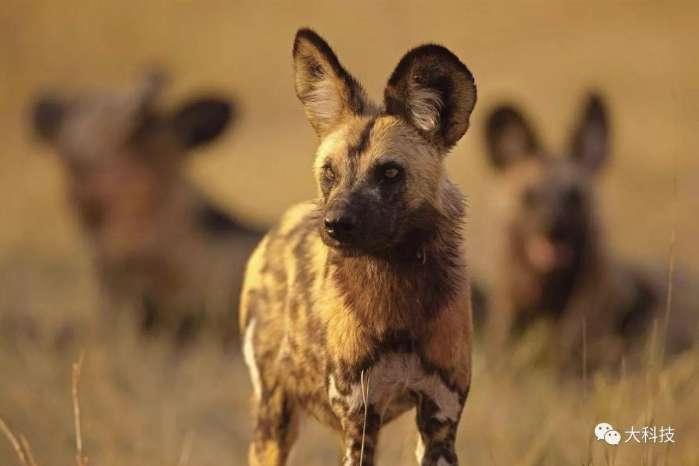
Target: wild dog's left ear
{"type": "Point", "coordinates": [590, 138]}
{"type": "Point", "coordinates": [327, 91]}
{"type": "Point", "coordinates": [47, 114]}
{"type": "Point", "coordinates": [435, 92]}
{"type": "Point", "coordinates": [202, 120]}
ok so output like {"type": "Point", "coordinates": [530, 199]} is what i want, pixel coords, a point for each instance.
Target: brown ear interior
{"type": "Point", "coordinates": [434, 91]}
{"type": "Point", "coordinates": [327, 91]}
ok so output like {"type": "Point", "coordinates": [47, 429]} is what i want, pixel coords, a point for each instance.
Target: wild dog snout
{"type": "Point", "coordinates": [341, 222]}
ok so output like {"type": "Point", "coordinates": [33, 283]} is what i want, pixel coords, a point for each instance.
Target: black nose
{"type": "Point", "coordinates": [559, 231]}
{"type": "Point", "coordinates": [340, 225]}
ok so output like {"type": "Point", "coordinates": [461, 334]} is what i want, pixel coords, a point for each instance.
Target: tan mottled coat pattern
{"type": "Point", "coordinates": [357, 322]}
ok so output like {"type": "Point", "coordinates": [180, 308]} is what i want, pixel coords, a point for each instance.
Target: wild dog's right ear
{"type": "Point", "coordinates": [509, 138]}
{"type": "Point", "coordinates": [432, 90]}
{"type": "Point", "coordinates": [328, 92]}
{"type": "Point", "coordinates": [47, 115]}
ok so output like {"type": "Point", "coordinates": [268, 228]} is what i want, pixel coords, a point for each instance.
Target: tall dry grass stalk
{"type": "Point", "coordinates": [21, 445]}
{"type": "Point", "coordinates": [21, 455]}
{"type": "Point", "coordinates": [27, 450]}
{"type": "Point", "coordinates": [584, 358]}
{"type": "Point", "coordinates": [365, 399]}
{"type": "Point", "coordinates": [187, 447]}
{"type": "Point", "coordinates": [81, 459]}
{"type": "Point", "coordinates": [673, 255]}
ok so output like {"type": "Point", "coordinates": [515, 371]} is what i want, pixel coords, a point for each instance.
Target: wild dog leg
{"type": "Point", "coordinates": [276, 429]}
{"type": "Point", "coordinates": [437, 426]}
{"type": "Point", "coordinates": [360, 431]}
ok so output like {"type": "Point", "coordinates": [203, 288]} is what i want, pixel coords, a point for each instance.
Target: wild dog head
{"type": "Point", "coordinates": [123, 156]}
{"type": "Point", "coordinates": [379, 168]}
{"type": "Point", "coordinates": [552, 219]}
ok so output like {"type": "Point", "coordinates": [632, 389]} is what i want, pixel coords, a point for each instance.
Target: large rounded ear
{"type": "Point", "coordinates": [47, 116]}
{"type": "Point", "coordinates": [590, 138]}
{"type": "Point", "coordinates": [327, 91]}
{"type": "Point", "coordinates": [202, 120]}
{"type": "Point", "coordinates": [509, 138]}
{"type": "Point", "coordinates": [435, 92]}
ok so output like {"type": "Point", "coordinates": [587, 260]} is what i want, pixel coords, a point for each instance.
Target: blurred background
{"type": "Point", "coordinates": [140, 407]}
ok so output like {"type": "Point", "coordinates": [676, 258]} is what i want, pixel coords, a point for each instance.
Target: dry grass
{"type": "Point", "coordinates": [18, 447]}
{"type": "Point", "coordinates": [141, 405]}
{"type": "Point", "coordinates": [80, 458]}
{"type": "Point", "coordinates": [22, 447]}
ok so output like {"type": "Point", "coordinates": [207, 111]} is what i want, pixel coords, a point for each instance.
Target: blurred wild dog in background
{"type": "Point", "coordinates": [554, 261]}
{"type": "Point", "coordinates": [160, 247]}
{"type": "Point", "coordinates": [356, 307]}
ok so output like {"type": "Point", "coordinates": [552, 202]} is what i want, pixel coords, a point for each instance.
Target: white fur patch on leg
{"type": "Point", "coordinates": [420, 449]}
{"type": "Point", "coordinates": [353, 400]}
{"type": "Point", "coordinates": [249, 354]}
{"type": "Point", "coordinates": [446, 400]}
{"type": "Point", "coordinates": [347, 458]}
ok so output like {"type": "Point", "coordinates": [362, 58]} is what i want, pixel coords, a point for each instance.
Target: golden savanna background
{"type": "Point", "coordinates": [140, 405]}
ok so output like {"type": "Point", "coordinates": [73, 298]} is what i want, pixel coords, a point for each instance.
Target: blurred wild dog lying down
{"type": "Point", "coordinates": [554, 262]}
{"type": "Point", "coordinates": [160, 247]}
{"type": "Point", "coordinates": [356, 306]}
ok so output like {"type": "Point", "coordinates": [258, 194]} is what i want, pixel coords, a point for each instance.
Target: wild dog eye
{"type": "Point", "coordinates": [391, 172]}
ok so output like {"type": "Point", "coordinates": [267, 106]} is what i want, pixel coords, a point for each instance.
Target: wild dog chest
{"type": "Point", "coordinates": [391, 385]}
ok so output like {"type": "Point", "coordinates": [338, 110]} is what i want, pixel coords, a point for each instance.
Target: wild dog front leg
{"type": "Point", "coordinates": [360, 437]}
{"type": "Point", "coordinates": [438, 414]}
{"type": "Point", "coordinates": [359, 420]}
{"type": "Point", "coordinates": [276, 429]}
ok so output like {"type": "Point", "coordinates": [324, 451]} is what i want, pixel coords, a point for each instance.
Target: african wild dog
{"type": "Point", "coordinates": [160, 247]}
{"type": "Point", "coordinates": [356, 307]}
{"type": "Point", "coordinates": [554, 262]}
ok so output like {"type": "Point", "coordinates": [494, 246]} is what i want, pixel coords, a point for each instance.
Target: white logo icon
{"type": "Point", "coordinates": [605, 431]}
{"type": "Point", "coordinates": [601, 430]}
{"type": "Point", "coordinates": [612, 437]}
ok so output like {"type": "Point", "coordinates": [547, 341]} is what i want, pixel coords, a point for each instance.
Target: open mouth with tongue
{"type": "Point", "coordinates": [548, 254]}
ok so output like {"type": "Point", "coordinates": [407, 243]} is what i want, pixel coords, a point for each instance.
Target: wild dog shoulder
{"type": "Point", "coordinates": [271, 250]}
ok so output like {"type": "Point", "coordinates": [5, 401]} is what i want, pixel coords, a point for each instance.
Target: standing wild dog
{"type": "Point", "coordinates": [356, 307]}
{"type": "Point", "coordinates": [553, 260]}
{"type": "Point", "coordinates": [160, 247]}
